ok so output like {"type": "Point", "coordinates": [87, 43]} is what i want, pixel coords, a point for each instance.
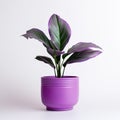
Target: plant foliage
{"type": "Point", "coordinates": [60, 32]}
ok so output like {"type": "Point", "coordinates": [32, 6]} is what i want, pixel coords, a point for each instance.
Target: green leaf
{"type": "Point", "coordinates": [46, 60]}
{"type": "Point", "coordinates": [59, 31]}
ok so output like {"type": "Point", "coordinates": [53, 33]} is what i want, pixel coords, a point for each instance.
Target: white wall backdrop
{"type": "Point", "coordinates": [96, 21]}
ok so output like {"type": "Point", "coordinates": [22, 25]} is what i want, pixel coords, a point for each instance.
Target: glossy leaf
{"type": "Point", "coordinates": [82, 56]}
{"type": "Point", "coordinates": [81, 46]}
{"type": "Point", "coordinates": [46, 60]}
{"type": "Point", "coordinates": [39, 35]}
{"type": "Point", "coordinates": [59, 31]}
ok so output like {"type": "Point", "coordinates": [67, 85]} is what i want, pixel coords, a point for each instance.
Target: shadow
{"type": "Point", "coordinates": [16, 96]}
{"type": "Point", "coordinates": [38, 107]}
{"type": "Point", "coordinates": [15, 100]}
{"type": "Point", "coordinates": [27, 105]}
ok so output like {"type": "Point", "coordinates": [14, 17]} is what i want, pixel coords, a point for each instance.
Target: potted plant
{"type": "Point", "coordinates": [61, 92]}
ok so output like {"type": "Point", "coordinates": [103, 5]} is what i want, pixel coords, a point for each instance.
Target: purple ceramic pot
{"type": "Point", "coordinates": [59, 94]}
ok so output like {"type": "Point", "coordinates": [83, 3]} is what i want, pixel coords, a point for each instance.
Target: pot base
{"type": "Point", "coordinates": [59, 109]}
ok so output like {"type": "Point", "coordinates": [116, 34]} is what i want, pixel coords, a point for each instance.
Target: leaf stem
{"type": "Point", "coordinates": [54, 72]}
{"type": "Point", "coordinates": [59, 70]}
{"type": "Point", "coordinates": [55, 69]}
{"type": "Point", "coordinates": [63, 71]}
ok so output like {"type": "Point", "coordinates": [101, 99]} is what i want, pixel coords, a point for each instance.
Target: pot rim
{"type": "Point", "coordinates": [66, 81]}
{"type": "Point", "coordinates": [67, 76]}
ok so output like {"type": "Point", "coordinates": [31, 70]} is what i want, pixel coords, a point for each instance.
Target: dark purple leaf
{"type": "Point", "coordinates": [59, 31]}
{"type": "Point", "coordinates": [53, 52]}
{"type": "Point", "coordinates": [46, 60]}
{"type": "Point", "coordinates": [82, 56]}
{"type": "Point", "coordinates": [39, 35]}
{"type": "Point", "coordinates": [81, 46]}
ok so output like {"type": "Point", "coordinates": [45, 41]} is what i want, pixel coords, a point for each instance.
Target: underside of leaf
{"type": "Point", "coordinates": [81, 46]}
{"type": "Point", "coordinates": [46, 60]}
{"type": "Point", "coordinates": [82, 56]}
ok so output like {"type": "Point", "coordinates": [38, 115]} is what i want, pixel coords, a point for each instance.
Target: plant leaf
{"type": "Point", "coordinates": [53, 52]}
{"type": "Point", "coordinates": [82, 56]}
{"type": "Point", "coordinates": [59, 31]}
{"type": "Point", "coordinates": [81, 46]}
{"type": "Point", "coordinates": [46, 60]}
{"type": "Point", "coordinates": [39, 35]}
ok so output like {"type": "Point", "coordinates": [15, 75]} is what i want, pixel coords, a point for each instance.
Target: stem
{"type": "Point", "coordinates": [55, 69]}
{"type": "Point", "coordinates": [63, 71]}
{"type": "Point", "coordinates": [59, 70]}
{"type": "Point", "coordinates": [54, 72]}
{"type": "Point", "coordinates": [57, 66]}
{"type": "Point", "coordinates": [63, 67]}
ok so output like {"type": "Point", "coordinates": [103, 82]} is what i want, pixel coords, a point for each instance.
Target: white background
{"type": "Point", "coordinates": [96, 21]}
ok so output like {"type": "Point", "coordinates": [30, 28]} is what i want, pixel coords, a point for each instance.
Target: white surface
{"type": "Point", "coordinates": [95, 21]}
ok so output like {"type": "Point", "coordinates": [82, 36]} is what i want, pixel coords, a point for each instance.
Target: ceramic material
{"type": "Point", "coordinates": [59, 94]}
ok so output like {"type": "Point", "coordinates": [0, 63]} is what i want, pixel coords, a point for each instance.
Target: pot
{"type": "Point", "coordinates": [59, 94]}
